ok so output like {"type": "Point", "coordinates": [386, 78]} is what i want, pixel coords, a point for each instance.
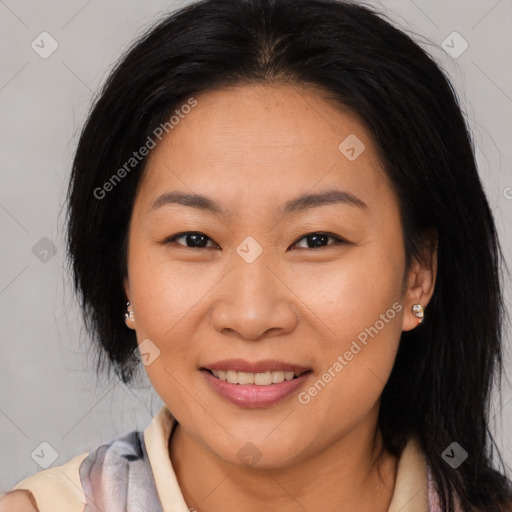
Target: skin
{"type": "Point", "coordinates": [251, 149]}
{"type": "Point", "coordinates": [18, 501]}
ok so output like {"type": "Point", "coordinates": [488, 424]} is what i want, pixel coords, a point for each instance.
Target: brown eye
{"type": "Point", "coordinates": [194, 238]}
{"type": "Point", "coordinates": [319, 240]}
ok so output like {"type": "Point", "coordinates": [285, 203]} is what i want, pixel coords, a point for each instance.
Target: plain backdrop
{"type": "Point", "coordinates": [49, 392]}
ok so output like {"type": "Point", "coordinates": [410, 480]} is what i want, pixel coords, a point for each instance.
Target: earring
{"type": "Point", "coordinates": [129, 313]}
{"type": "Point", "coordinates": [418, 312]}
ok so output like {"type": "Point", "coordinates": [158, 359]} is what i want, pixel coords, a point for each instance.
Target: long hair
{"type": "Point", "coordinates": [440, 385]}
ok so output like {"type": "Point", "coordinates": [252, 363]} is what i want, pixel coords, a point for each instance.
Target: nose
{"type": "Point", "coordinates": [254, 301]}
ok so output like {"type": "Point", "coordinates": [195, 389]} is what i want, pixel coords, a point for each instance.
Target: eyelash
{"type": "Point", "coordinates": [337, 239]}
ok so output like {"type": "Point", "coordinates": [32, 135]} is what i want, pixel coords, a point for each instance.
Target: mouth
{"type": "Point", "coordinates": [252, 385]}
{"type": "Point", "coordinates": [267, 378]}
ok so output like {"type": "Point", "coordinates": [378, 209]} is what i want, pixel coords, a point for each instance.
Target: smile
{"type": "Point", "coordinates": [255, 389]}
{"type": "Point", "coordinates": [259, 379]}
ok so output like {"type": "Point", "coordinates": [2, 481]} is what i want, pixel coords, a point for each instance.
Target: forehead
{"type": "Point", "coordinates": [264, 142]}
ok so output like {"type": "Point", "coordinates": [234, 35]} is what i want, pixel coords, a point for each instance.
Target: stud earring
{"type": "Point", "coordinates": [129, 313]}
{"type": "Point", "coordinates": [418, 312]}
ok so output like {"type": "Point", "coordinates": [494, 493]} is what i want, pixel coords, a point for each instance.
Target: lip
{"type": "Point", "coordinates": [240, 365]}
{"type": "Point", "coordinates": [252, 395]}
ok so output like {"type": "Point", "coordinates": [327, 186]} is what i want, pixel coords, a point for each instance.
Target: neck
{"type": "Point", "coordinates": [354, 472]}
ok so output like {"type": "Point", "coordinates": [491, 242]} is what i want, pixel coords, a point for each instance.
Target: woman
{"type": "Point", "coordinates": [277, 202]}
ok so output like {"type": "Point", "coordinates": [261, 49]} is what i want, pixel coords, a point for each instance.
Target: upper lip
{"type": "Point", "coordinates": [240, 365]}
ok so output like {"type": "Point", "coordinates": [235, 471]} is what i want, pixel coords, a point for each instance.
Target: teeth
{"type": "Point", "coordinates": [260, 379]}
{"type": "Point", "coordinates": [245, 378]}
{"type": "Point", "coordinates": [277, 377]}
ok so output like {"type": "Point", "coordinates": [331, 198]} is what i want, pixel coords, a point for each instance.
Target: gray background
{"type": "Point", "coordinates": [49, 390]}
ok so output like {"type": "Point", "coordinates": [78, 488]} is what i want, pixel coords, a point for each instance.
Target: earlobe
{"type": "Point", "coordinates": [129, 316]}
{"type": "Point", "coordinates": [418, 312]}
{"type": "Point", "coordinates": [414, 316]}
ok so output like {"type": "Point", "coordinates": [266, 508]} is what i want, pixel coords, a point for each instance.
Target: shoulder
{"type": "Point", "coordinates": [57, 489]}
{"type": "Point", "coordinates": [117, 463]}
{"type": "Point", "coordinates": [18, 501]}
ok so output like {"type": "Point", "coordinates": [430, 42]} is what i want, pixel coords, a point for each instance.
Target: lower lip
{"type": "Point", "coordinates": [252, 395]}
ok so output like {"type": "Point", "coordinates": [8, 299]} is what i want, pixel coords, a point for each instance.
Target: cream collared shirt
{"type": "Point", "coordinates": [59, 489]}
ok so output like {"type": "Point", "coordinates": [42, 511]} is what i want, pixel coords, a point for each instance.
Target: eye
{"type": "Point", "coordinates": [198, 240]}
{"type": "Point", "coordinates": [318, 239]}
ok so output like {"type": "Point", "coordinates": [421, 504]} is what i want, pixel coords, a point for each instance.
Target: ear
{"type": "Point", "coordinates": [130, 320]}
{"type": "Point", "coordinates": [421, 280]}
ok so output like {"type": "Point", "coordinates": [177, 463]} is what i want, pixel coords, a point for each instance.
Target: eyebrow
{"type": "Point", "coordinates": [298, 204]}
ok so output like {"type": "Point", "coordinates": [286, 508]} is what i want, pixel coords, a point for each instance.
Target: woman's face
{"type": "Point", "coordinates": [266, 282]}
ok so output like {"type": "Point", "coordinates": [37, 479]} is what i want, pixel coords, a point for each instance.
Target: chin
{"type": "Point", "coordinates": [259, 453]}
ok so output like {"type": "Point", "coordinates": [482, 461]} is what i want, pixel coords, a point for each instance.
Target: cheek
{"type": "Point", "coordinates": [352, 293]}
{"type": "Point", "coordinates": [162, 293]}
{"type": "Point", "coordinates": [166, 295]}
{"type": "Point", "coordinates": [358, 309]}
{"type": "Point", "coordinates": [168, 298]}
